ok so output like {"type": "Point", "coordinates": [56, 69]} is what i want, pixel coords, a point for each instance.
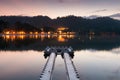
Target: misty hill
{"type": "Point", "coordinates": [77, 24]}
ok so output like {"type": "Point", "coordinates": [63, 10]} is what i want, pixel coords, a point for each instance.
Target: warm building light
{"type": "Point", "coordinates": [42, 32]}
{"type": "Point", "coordinates": [21, 32]}
{"type": "Point", "coordinates": [49, 33]}
{"type": "Point", "coordinates": [13, 32]}
{"type": "Point", "coordinates": [7, 32]}
{"type": "Point", "coordinates": [36, 32]}
{"type": "Point", "coordinates": [31, 32]}
{"type": "Point", "coordinates": [60, 32]}
{"type": "Point", "coordinates": [62, 28]}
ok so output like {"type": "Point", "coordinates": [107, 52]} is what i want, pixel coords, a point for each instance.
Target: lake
{"type": "Point", "coordinates": [96, 57]}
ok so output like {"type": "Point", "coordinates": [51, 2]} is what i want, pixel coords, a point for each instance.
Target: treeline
{"type": "Point", "coordinates": [77, 24]}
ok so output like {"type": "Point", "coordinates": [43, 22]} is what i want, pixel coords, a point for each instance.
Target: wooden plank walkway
{"type": "Point", "coordinates": [67, 53]}
{"type": "Point", "coordinates": [48, 68]}
{"type": "Point", "coordinates": [71, 71]}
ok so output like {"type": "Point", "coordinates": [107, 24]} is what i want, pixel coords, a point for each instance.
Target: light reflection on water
{"type": "Point", "coordinates": [97, 65]}
{"type": "Point", "coordinates": [39, 42]}
{"type": "Point", "coordinates": [21, 65]}
{"type": "Point", "coordinates": [91, 65]}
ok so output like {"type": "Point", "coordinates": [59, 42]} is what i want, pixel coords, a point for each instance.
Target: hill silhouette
{"type": "Point", "coordinates": [77, 24]}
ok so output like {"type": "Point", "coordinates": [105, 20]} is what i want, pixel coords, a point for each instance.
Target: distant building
{"type": "Point", "coordinates": [61, 30]}
{"type": "Point", "coordinates": [64, 31]}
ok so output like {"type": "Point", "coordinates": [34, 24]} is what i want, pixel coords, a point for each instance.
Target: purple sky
{"type": "Point", "coordinates": [55, 8]}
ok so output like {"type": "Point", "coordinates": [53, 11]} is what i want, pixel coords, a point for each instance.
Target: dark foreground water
{"type": "Point", "coordinates": [96, 58]}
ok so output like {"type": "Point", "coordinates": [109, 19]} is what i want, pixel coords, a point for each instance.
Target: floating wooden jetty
{"type": "Point", "coordinates": [67, 53]}
{"type": "Point", "coordinates": [72, 72]}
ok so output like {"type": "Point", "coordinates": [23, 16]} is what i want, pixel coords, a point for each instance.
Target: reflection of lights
{"type": "Point", "coordinates": [91, 37]}
{"type": "Point", "coordinates": [7, 37]}
{"type": "Point", "coordinates": [61, 39]}
{"type": "Point", "coordinates": [48, 36]}
{"type": "Point", "coordinates": [36, 36]}
{"type": "Point", "coordinates": [42, 37]}
{"type": "Point", "coordinates": [21, 37]}
{"type": "Point", "coordinates": [13, 37]}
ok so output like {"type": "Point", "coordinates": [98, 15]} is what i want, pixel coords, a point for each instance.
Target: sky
{"type": "Point", "coordinates": [58, 8]}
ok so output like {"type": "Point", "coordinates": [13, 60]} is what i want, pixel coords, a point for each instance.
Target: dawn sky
{"type": "Point", "coordinates": [55, 8]}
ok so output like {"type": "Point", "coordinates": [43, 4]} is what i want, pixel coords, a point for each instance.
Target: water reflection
{"type": "Point", "coordinates": [90, 64]}
{"type": "Point", "coordinates": [13, 37]}
{"type": "Point", "coordinates": [39, 42]}
{"type": "Point", "coordinates": [21, 65]}
{"type": "Point", "coordinates": [61, 39]}
{"type": "Point", "coordinates": [97, 65]}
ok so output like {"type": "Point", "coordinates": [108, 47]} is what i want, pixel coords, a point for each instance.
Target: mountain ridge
{"type": "Point", "coordinates": [74, 23]}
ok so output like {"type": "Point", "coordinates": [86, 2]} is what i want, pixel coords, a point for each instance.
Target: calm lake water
{"type": "Point", "coordinates": [96, 57]}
